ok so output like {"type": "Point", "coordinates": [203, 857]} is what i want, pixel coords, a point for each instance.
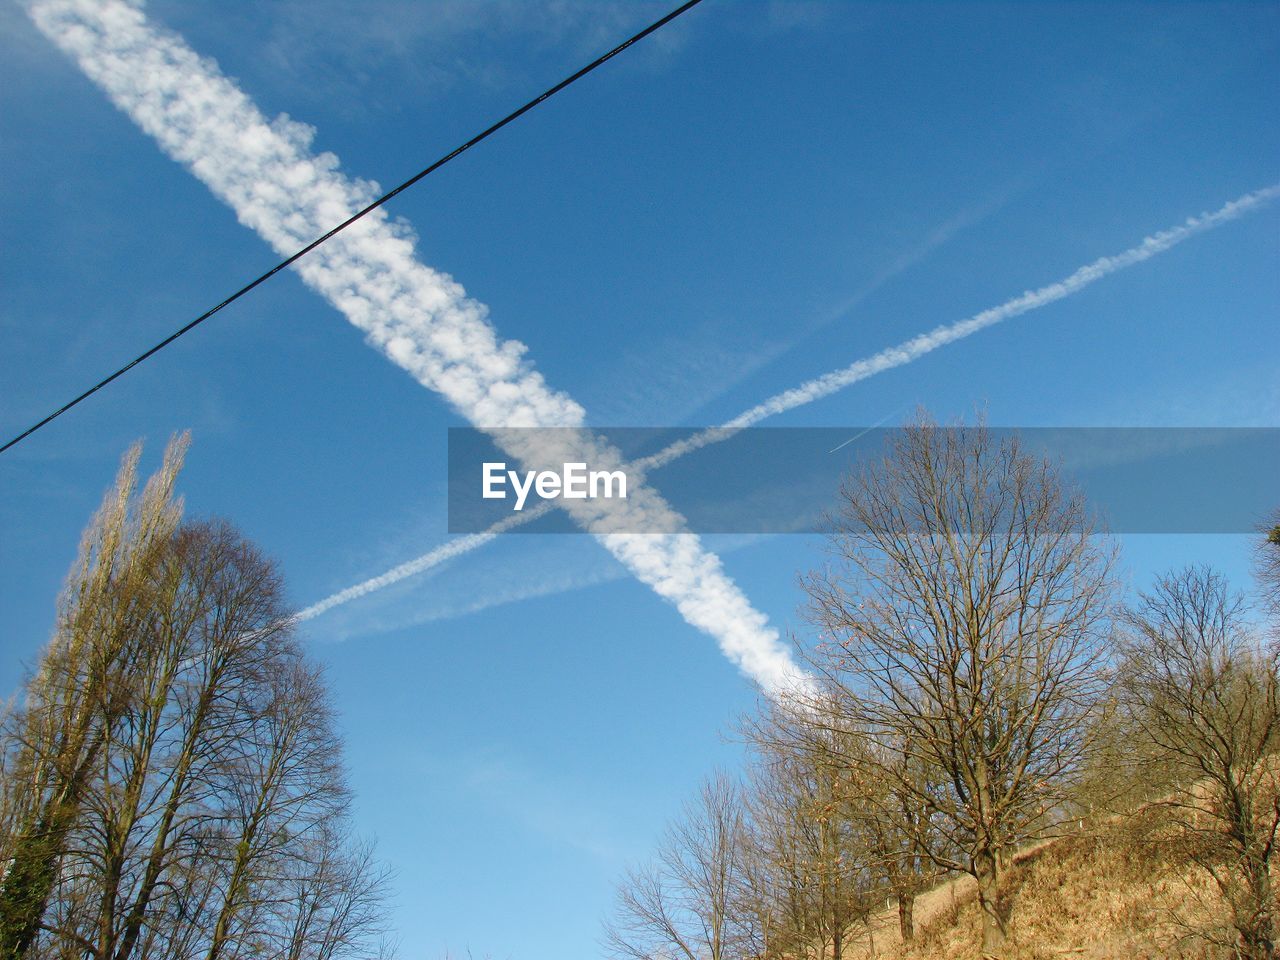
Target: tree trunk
{"type": "Point", "coordinates": [177, 797]}
{"type": "Point", "coordinates": [27, 886]}
{"type": "Point", "coordinates": [906, 916]}
{"type": "Point", "coordinates": [987, 873]}
{"type": "Point", "coordinates": [33, 870]}
{"type": "Point", "coordinates": [1257, 928]}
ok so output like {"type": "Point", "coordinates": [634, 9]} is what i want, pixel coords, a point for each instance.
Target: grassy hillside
{"type": "Point", "coordinates": [1127, 892]}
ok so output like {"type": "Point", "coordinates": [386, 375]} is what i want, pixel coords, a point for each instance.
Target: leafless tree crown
{"type": "Point", "coordinates": [172, 784]}
{"type": "Point", "coordinates": [963, 618]}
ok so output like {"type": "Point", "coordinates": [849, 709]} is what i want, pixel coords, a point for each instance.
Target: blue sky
{"type": "Point", "coordinates": [758, 194]}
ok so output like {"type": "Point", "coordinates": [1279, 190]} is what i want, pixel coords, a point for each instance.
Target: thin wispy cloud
{"type": "Point", "coordinates": [441, 554]}
{"type": "Point", "coordinates": [967, 216]}
{"type": "Point", "coordinates": [911, 350]}
{"type": "Point", "coordinates": [522, 586]}
{"type": "Point", "coordinates": [360, 57]}
{"type": "Point", "coordinates": [566, 811]}
{"type": "Point", "coordinates": [823, 386]}
{"type": "Point", "coordinates": [670, 378]}
{"type": "Point", "coordinates": [419, 318]}
{"type": "Point", "coordinates": [548, 567]}
{"type": "Point", "coordinates": [709, 361]}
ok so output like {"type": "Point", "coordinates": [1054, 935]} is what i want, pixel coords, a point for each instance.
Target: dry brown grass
{"type": "Point", "coordinates": [1127, 892]}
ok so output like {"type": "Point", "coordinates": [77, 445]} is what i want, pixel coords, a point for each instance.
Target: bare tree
{"type": "Point", "coordinates": [1267, 563]}
{"type": "Point", "coordinates": [963, 619]}
{"type": "Point", "coordinates": [682, 903]}
{"type": "Point", "coordinates": [208, 811]}
{"type": "Point", "coordinates": [889, 829]}
{"type": "Point", "coordinates": [902, 837]}
{"type": "Point", "coordinates": [82, 688]}
{"type": "Point", "coordinates": [810, 864]}
{"type": "Point", "coordinates": [1206, 694]}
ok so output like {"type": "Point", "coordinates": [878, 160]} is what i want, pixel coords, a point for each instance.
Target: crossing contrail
{"type": "Point", "coordinates": [419, 318]}
{"type": "Point", "coordinates": [815, 389]}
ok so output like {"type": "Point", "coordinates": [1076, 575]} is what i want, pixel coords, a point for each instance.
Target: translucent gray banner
{"type": "Point", "coordinates": [787, 480]}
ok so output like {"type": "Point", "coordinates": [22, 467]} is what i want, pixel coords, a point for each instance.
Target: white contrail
{"type": "Point", "coordinates": [441, 554]}
{"type": "Point", "coordinates": [421, 319]}
{"type": "Point", "coordinates": [829, 383]}
{"type": "Point", "coordinates": [499, 584]}
{"type": "Point", "coordinates": [915, 348]}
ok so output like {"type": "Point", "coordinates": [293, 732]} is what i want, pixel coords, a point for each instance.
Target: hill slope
{"type": "Point", "coordinates": [1127, 893]}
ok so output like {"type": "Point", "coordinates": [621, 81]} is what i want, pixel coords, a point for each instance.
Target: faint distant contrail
{"type": "Point", "coordinates": [441, 554]}
{"type": "Point", "coordinates": [420, 319]}
{"type": "Point", "coordinates": [915, 348]}
{"type": "Point", "coordinates": [829, 383]}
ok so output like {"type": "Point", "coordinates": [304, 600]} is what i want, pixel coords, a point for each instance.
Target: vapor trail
{"type": "Point", "coordinates": [911, 350]}
{"type": "Point", "coordinates": [419, 318]}
{"type": "Point", "coordinates": [829, 383]}
{"type": "Point", "coordinates": [441, 554]}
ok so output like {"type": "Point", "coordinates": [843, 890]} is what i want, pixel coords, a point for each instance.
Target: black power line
{"type": "Point", "coordinates": [515, 114]}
